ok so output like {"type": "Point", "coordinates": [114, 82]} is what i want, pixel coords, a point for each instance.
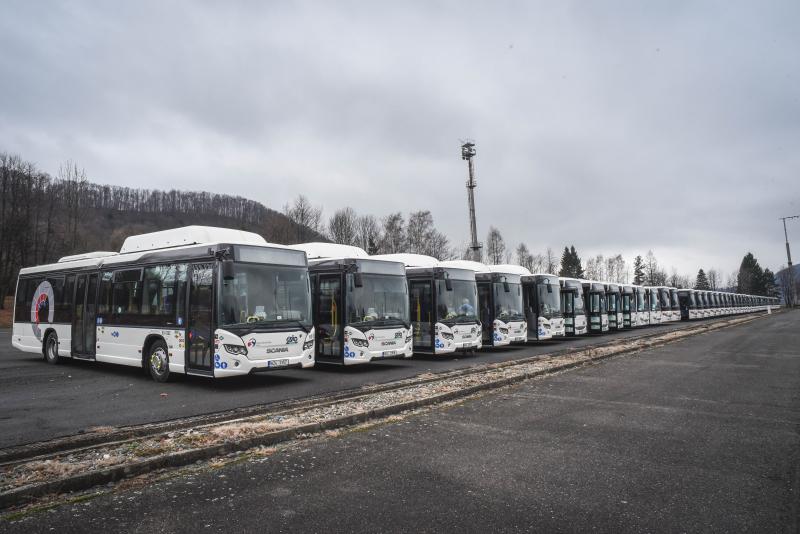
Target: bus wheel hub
{"type": "Point", "coordinates": [158, 360]}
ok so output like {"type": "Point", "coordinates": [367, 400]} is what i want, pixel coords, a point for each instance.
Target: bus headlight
{"type": "Point", "coordinates": [308, 344]}
{"type": "Point", "coordinates": [236, 349]}
{"type": "Point", "coordinates": [359, 342]}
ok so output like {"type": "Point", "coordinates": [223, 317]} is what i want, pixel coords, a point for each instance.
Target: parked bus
{"type": "Point", "coordinates": [573, 307]}
{"type": "Point", "coordinates": [655, 305]}
{"type": "Point", "coordinates": [643, 305]}
{"type": "Point", "coordinates": [665, 301]}
{"type": "Point", "coordinates": [542, 301]}
{"type": "Point", "coordinates": [195, 300]}
{"type": "Point", "coordinates": [443, 302]}
{"type": "Point", "coordinates": [629, 314]}
{"type": "Point", "coordinates": [500, 301]}
{"type": "Point", "coordinates": [688, 304]}
{"type": "Point", "coordinates": [594, 295]}
{"type": "Point", "coordinates": [360, 305]}
{"type": "Point", "coordinates": [614, 306]}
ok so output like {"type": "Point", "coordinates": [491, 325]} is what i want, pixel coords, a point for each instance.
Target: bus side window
{"type": "Point", "coordinates": [104, 300]}
{"type": "Point", "coordinates": [25, 289]}
{"type": "Point", "coordinates": [126, 297]}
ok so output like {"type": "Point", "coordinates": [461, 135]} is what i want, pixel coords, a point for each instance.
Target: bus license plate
{"type": "Point", "coordinates": [389, 353]}
{"type": "Point", "coordinates": [277, 363]}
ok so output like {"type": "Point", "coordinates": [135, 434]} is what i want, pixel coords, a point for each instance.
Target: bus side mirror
{"type": "Point", "coordinates": [506, 287]}
{"type": "Point", "coordinates": [358, 281]}
{"type": "Point", "coordinates": [227, 270]}
{"type": "Point", "coordinates": [448, 284]}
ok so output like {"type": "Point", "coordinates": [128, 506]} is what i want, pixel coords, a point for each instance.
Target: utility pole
{"type": "Point", "coordinates": [789, 257]}
{"type": "Point", "coordinates": [467, 153]}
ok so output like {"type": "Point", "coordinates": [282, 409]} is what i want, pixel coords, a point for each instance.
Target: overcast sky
{"type": "Point", "coordinates": [614, 126]}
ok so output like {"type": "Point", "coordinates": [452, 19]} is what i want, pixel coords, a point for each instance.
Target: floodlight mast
{"type": "Point", "coordinates": [467, 153]}
{"type": "Point", "coordinates": [789, 255]}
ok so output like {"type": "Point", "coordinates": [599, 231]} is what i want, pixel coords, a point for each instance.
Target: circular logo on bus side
{"type": "Point", "coordinates": [43, 304]}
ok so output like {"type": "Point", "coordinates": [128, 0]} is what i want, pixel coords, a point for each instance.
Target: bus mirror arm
{"type": "Point", "coordinates": [227, 270]}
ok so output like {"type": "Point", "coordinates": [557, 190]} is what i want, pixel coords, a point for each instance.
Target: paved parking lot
{"type": "Point", "coordinates": [695, 436]}
{"type": "Point", "coordinates": [41, 401]}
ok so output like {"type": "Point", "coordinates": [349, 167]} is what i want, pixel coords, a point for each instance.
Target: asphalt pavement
{"type": "Point", "coordinates": [699, 435]}
{"type": "Point", "coordinates": [41, 401]}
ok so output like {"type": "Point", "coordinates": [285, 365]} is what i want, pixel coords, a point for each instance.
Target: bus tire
{"type": "Point", "coordinates": [51, 349]}
{"type": "Point", "coordinates": [158, 361]}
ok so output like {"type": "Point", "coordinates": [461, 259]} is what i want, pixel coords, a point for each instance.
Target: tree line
{"type": "Point", "coordinates": [43, 218]}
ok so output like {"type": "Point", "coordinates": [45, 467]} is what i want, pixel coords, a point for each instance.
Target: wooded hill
{"type": "Point", "coordinates": [43, 218]}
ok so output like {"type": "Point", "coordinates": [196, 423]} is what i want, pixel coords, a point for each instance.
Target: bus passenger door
{"type": "Point", "coordinates": [84, 316]}
{"type": "Point", "coordinates": [419, 292]}
{"type": "Point", "coordinates": [201, 313]}
{"type": "Point", "coordinates": [329, 316]}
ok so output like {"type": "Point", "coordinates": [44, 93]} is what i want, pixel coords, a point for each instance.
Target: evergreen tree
{"type": "Point", "coordinates": [751, 276]}
{"type": "Point", "coordinates": [770, 287]}
{"type": "Point", "coordinates": [638, 271]}
{"type": "Point", "coordinates": [576, 261]}
{"type": "Point", "coordinates": [702, 280]}
{"type": "Point", "coordinates": [564, 269]}
{"type": "Point", "coordinates": [571, 264]}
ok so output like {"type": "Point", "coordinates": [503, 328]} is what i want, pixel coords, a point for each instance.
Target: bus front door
{"type": "Point", "coordinates": [201, 312]}
{"type": "Point", "coordinates": [84, 316]}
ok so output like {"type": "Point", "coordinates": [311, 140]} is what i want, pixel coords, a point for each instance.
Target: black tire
{"type": "Point", "coordinates": [51, 349]}
{"type": "Point", "coordinates": [157, 361]}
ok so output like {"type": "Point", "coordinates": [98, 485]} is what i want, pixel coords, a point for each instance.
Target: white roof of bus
{"type": "Point", "coordinates": [189, 235]}
{"type": "Point", "coordinates": [96, 259]}
{"type": "Point", "coordinates": [476, 266]}
{"type": "Point", "coordinates": [409, 260]}
{"type": "Point", "coordinates": [330, 250]}
{"type": "Point", "coordinates": [509, 269]}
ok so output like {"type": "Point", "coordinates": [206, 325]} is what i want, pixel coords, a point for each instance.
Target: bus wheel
{"type": "Point", "coordinates": [158, 361]}
{"type": "Point", "coordinates": [51, 349]}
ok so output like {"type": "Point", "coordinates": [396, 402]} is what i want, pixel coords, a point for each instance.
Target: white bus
{"type": "Point", "coordinates": [195, 300]}
{"type": "Point", "coordinates": [443, 302]}
{"type": "Point", "coordinates": [500, 301]}
{"type": "Point", "coordinates": [360, 305]}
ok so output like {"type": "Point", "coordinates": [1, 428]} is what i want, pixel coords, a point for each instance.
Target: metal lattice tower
{"type": "Point", "coordinates": [467, 153]}
{"type": "Point", "coordinates": [789, 256]}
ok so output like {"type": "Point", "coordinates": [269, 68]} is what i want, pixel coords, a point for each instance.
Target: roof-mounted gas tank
{"type": "Point", "coordinates": [189, 235]}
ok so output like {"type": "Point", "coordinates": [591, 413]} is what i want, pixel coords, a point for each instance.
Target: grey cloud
{"type": "Point", "coordinates": [616, 126]}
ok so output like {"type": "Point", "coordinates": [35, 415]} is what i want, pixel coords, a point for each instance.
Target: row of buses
{"type": "Point", "coordinates": [219, 302]}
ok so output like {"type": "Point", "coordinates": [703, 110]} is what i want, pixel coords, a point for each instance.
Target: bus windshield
{"type": "Point", "coordinates": [640, 301]}
{"type": "Point", "coordinates": [654, 304]}
{"type": "Point", "coordinates": [265, 294]}
{"type": "Point", "coordinates": [594, 303]}
{"type": "Point", "coordinates": [382, 300]}
{"type": "Point", "coordinates": [626, 303]}
{"type": "Point", "coordinates": [549, 301]}
{"type": "Point", "coordinates": [508, 304]}
{"type": "Point", "coordinates": [612, 302]}
{"type": "Point", "coordinates": [459, 305]}
{"type": "Point", "coordinates": [579, 308]}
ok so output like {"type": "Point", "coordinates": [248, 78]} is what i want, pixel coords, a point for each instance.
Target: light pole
{"type": "Point", "coordinates": [789, 257]}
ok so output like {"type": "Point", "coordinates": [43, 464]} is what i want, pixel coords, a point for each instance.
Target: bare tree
{"type": "Point", "coordinates": [342, 227]}
{"type": "Point", "coordinates": [306, 217]}
{"type": "Point", "coordinates": [495, 246]}
{"type": "Point", "coordinates": [551, 261]}
{"type": "Point", "coordinates": [368, 233]}
{"type": "Point", "coordinates": [523, 256]}
{"type": "Point", "coordinates": [394, 234]}
{"type": "Point", "coordinates": [713, 279]}
{"type": "Point", "coordinates": [538, 263]}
